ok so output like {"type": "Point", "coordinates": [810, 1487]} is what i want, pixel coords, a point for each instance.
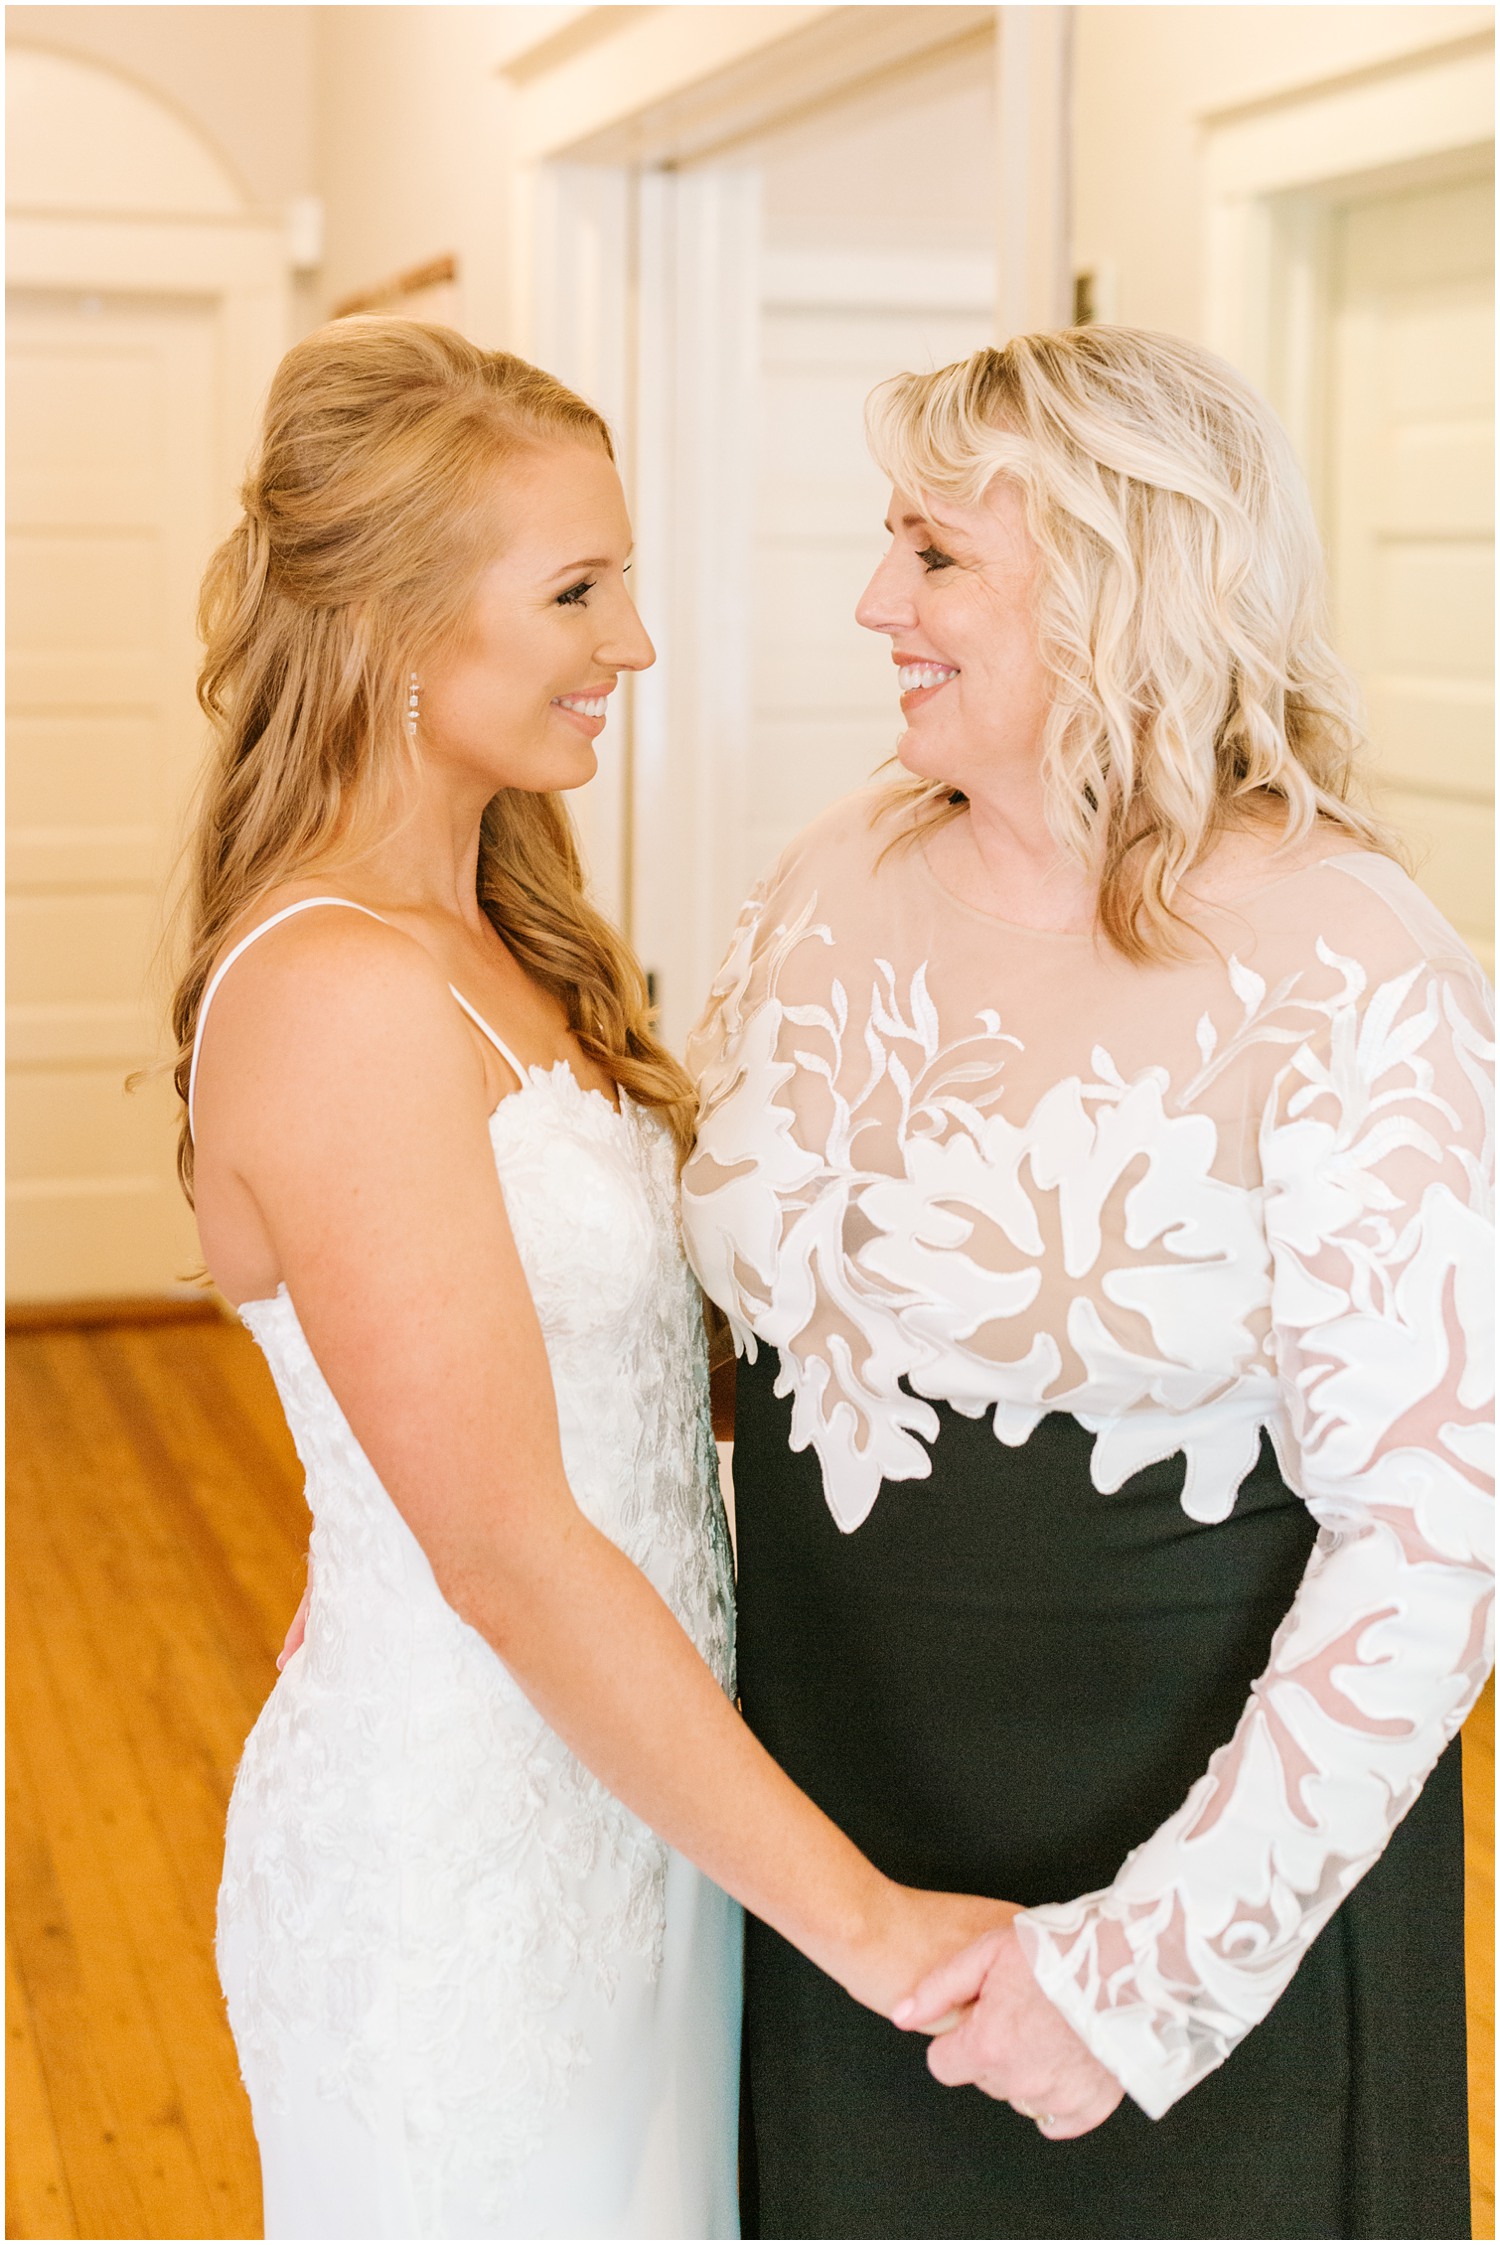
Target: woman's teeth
{"type": "Point", "coordinates": [915, 675]}
{"type": "Point", "coordinates": [587, 705]}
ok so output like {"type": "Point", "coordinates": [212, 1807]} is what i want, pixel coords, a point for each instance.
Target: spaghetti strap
{"type": "Point", "coordinates": [519, 1068]}
{"type": "Point", "coordinates": [304, 904]}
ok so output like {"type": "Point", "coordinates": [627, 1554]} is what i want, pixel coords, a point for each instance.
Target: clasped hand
{"type": "Point", "coordinates": [992, 2025]}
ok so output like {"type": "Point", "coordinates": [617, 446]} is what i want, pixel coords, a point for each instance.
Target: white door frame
{"type": "Point", "coordinates": [239, 268]}
{"type": "Point", "coordinates": [1273, 171]}
{"type": "Point", "coordinates": [240, 265]}
{"type": "Point", "coordinates": [637, 282]}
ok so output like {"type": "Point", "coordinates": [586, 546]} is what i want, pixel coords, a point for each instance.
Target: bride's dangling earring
{"type": "Point", "coordinates": [413, 703]}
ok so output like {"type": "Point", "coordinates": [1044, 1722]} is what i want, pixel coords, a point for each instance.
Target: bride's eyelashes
{"type": "Point", "coordinates": [576, 595]}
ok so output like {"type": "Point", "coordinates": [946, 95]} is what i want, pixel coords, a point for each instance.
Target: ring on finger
{"type": "Point", "coordinates": [1028, 2112]}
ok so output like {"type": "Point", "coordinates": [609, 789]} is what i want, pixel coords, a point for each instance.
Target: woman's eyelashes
{"type": "Point", "coordinates": [931, 559]}
{"type": "Point", "coordinates": [577, 595]}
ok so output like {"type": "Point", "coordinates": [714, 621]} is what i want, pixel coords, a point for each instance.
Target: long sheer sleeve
{"type": "Point", "coordinates": [1375, 1156]}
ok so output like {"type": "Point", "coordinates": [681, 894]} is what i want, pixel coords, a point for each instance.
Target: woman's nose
{"type": "Point", "coordinates": [630, 648]}
{"type": "Point", "coordinates": [884, 605]}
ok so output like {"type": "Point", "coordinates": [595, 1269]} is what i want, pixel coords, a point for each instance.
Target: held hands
{"type": "Point", "coordinates": [907, 1934]}
{"type": "Point", "coordinates": [1009, 2040]}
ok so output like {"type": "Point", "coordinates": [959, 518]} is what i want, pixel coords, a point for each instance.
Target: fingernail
{"type": "Point", "coordinates": [903, 2010]}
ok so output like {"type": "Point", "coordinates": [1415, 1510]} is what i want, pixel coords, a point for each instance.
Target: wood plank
{"type": "Point", "coordinates": [79, 2072]}
{"type": "Point", "coordinates": [162, 1895]}
{"type": "Point", "coordinates": [122, 1309]}
{"type": "Point", "coordinates": [224, 1439]}
{"type": "Point", "coordinates": [37, 2203]}
{"type": "Point", "coordinates": [90, 1836]}
{"type": "Point", "coordinates": [152, 1697]}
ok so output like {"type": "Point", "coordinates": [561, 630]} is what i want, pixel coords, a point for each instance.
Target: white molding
{"type": "Point", "coordinates": [1034, 228]}
{"type": "Point", "coordinates": [696, 392]}
{"type": "Point", "coordinates": [582, 250]}
{"type": "Point", "coordinates": [669, 53]}
{"type": "Point", "coordinates": [684, 83]}
{"type": "Point", "coordinates": [871, 280]}
{"type": "Point", "coordinates": [1269, 177]}
{"type": "Point", "coordinates": [1436, 104]}
{"type": "Point", "coordinates": [179, 256]}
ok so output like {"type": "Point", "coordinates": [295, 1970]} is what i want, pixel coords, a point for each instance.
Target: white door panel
{"type": "Point", "coordinates": [824, 706]}
{"type": "Point", "coordinates": [111, 506]}
{"type": "Point", "coordinates": [1411, 513]}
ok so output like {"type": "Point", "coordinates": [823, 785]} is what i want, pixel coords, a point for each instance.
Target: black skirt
{"type": "Point", "coordinates": [1002, 1683]}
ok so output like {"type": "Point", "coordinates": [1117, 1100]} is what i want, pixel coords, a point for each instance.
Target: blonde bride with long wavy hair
{"type": "Point", "coordinates": [350, 558]}
{"type": "Point", "coordinates": [479, 1925]}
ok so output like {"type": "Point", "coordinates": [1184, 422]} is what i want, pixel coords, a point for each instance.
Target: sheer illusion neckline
{"type": "Point", "coordinates": [1231, 904]}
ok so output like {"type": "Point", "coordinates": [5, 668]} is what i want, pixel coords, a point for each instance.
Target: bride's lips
{"type": "Point", "coordinates": [585, 708]}
{"type": "Point", "coordinates": [921, 677]}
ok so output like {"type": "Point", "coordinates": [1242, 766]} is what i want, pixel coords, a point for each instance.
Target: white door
{"type": "Point", "coordinates": [759, 515]}
{"type": "Point", "coordinates": [1411, 519]}
{"type": "Point", "coordinates": [112, 508]}
{"type": "Point", "coordinates": [824, 709]}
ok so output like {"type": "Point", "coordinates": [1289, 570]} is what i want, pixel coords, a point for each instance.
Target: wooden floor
{"type": "Point", "coordinates": [156, 1536]}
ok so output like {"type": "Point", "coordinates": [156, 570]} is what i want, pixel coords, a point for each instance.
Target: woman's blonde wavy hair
{"type": "Point", "coordinates": [1180, 602]}
{"type": "Point", "coordinates": [368, 515]}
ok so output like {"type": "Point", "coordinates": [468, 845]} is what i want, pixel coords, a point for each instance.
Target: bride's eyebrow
{"type": "Point", "coordinates": [572, 568]}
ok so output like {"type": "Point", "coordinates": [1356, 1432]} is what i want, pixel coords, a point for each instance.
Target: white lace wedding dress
{"type": "Point", "coordinates": [472, 1994]}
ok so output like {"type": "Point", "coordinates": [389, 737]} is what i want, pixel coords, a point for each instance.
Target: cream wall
{"type": "Point", "coordinates": [1138, 209]}
{"type": "Point", "coordinates": [908, 167]}
{"type": "Point", "coordinates": [243, 76]}
{"type": "Point", "coordinates": [411, 123]}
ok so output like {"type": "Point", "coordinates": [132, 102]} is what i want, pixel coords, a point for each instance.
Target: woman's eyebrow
{"type": "Point", "coordinates": [571, 568]}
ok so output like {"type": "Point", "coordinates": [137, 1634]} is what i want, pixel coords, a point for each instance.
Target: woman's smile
{"type": "Point", "coordinates": [587, 709]}
{"type": "Point", "coordinates": [921, 677]}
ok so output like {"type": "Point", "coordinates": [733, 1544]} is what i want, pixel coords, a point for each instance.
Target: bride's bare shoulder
{"type": "Point", "coordinates": [319, 987]}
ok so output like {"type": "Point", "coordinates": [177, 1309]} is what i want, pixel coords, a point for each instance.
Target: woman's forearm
{"type": "Point", "coordinates": [604, 1661]}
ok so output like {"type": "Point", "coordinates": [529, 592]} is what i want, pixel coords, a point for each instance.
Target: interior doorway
{"type": "Point", "coordinates": [111, 505]}
{"type": "Point", "coordinates": [147, 306]}
{"type": "Point", "coordinates": [1409, 512]}
{"type": "Point", "coordinates": [745, 304]}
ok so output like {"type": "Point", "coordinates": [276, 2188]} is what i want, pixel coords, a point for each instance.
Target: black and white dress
{"type": "Point", "coordinates": [1113, 1529]}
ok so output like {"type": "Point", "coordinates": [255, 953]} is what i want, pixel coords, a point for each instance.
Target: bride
{"type": "Point", "coordinates": [479, 1925]}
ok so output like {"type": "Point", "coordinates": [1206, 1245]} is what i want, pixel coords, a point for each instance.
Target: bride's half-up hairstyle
{"type": "Point", "coordinates": [1180, 602]}
{"type": "Point", "coordinates": [367, 516]}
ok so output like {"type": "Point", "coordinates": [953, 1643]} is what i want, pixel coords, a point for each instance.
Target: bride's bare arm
{"type": "Point", "coordinates": [341, 1086]}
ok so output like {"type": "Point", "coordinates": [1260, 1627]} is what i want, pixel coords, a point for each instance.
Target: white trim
{"type": "Point", "coordinates": [1269, 175]}
{"type": "Point", "coordinates": [696, 391]}
{"type": "Point", "coordinates": [1034, 60]}
{"type": "Point", "coordinates": [681, 83]}
{"type": "Point", "coordinates": [871, 280]}
{"type": "Point", "coordinates": [581, 237]}
{"type": "Point", "coordinates": [1434, 104]}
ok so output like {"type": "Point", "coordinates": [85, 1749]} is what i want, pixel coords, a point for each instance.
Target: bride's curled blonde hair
{"type": "Point", "coordinates": [1180, 601]}
{"type": "Point", "coordinates": [368, 514]}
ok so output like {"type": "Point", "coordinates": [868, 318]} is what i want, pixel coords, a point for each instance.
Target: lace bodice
{"type": "Point", "coordinates": [417, 1868]}
{"type": "Point", "coordinates": [944, 1158]}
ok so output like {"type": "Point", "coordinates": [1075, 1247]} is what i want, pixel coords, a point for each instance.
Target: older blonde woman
{"type": "Point", "coordinates": [1091, 1162]}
